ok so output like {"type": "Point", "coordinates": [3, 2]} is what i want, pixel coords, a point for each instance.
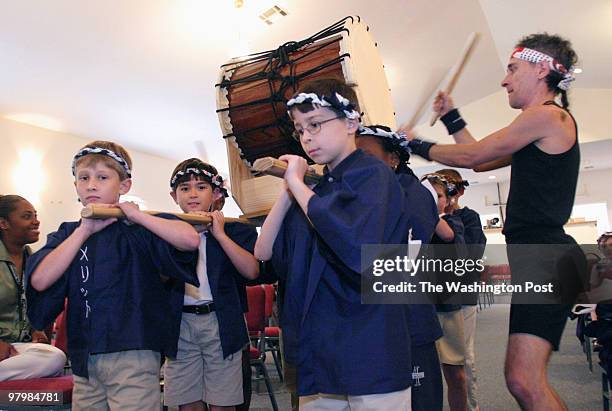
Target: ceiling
{"type": "Point", "coordinates": [142, 72]}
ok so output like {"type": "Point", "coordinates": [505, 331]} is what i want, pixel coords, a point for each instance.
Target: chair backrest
{"type": "Point", "coordinates": [256, 316]}
{"type": "Point", "coordinates": [61, 334]}
{"type": "Point", "coordinates": [499, 271]}
{"type": "Point", "coordinates": [270, 292]}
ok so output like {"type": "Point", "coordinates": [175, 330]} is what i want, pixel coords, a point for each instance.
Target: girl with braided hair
{"type": "Point", "coordinates": [380, 142]}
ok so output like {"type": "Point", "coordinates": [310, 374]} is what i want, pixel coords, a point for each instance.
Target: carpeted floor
{"type": "Point", "coordinates": [569, 372]}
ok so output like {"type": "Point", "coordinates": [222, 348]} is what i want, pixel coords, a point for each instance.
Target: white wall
{"type": "Point", "coordinates": [594, 186]}
{"type": "Point", "coordinates": [48, 155]}
{"type": "Point", "coordinates": [481, 197]}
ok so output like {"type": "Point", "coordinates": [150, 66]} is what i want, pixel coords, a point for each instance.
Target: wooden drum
{"type": "Point", "coordinates": [252, 91]}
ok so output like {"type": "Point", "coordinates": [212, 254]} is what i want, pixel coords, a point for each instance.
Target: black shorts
{"type": "Point", "coordinates": [546, 321]}
{"type": "Point", "coordinates": [427, 391]}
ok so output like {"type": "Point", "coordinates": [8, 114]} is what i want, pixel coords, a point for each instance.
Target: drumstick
{"type": "Point", "coordinates": [456, 70]}
{"type": "Point", "coordinates": [99, 213]}
{"type": "Point", "coordinates": [409, 125]}
{"type": "Point", "coordinates": [275, 167]}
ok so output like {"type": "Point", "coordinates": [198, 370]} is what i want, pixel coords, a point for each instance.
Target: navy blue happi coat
{"type": "Point", "coordinates": [118, 298]}
{"type": "Point", "coordinates": [341, 346]}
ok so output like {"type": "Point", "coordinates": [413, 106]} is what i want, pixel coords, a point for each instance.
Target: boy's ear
{"type": "Point", "coordinates": [3, 224]}
{"type": "Point", "coordinates": [353, 125]}
{"type": "Point", "coordinates": [125, 186]}
{"type": "Point", "coordinates": [395, 160]}
{"type": "Point", "coordinates": [217, 194]}
{"type": "Point", "coordinates": [173, 195]}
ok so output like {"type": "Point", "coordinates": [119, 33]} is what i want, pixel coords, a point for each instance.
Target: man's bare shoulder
{"type": "Point", "coordinates": [544, 113]}
{"type": "Point", "coordinates": [554, 127]}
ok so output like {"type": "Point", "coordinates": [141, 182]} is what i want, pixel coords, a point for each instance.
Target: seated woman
{"type": "Point", "coordinates": [601, 273]}
{"type": "Point", "coordinates": [24, 352]}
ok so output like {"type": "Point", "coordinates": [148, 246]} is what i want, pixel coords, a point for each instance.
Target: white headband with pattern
{"type": "Point", "coordinates": [534, 56]}
{"type": "Point", "coordinates": [215, 179]}
{"type": "Point", "coordinates": [336, 101]}
{"type": "Point", "coordinates": [396, 139]}
{"type": "Point", "coordinates": [105, 152]}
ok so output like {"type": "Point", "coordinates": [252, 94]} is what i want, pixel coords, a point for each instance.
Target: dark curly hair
{"type": "Point", "coordinates": [8, 204]}
{"type": "Point", "coordinates": [558, 48]}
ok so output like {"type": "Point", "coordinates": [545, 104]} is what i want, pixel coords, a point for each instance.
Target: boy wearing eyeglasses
{"type": "Point", "coordinates": [314, 237]}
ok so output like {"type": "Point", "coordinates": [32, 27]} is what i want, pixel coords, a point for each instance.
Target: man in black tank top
{"type": "Point", "coordinates": [541, 144]}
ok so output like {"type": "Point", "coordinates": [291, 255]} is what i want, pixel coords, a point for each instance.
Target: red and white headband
{"type": "Point", "coordinates": [534, 56]}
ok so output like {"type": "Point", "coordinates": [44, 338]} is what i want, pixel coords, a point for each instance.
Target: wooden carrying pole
{"type": "Point", "coordinates": [455, 72]}
{"type": "Point", "coordinates": [275, 167]}
{"type": "Point", "coordinates": [99, 213]}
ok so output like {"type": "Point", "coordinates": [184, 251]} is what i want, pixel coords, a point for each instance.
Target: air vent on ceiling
{"type": "Point", "coordinates": [582, 190]}
{"type": "Point", "coordinates": [271, 15]}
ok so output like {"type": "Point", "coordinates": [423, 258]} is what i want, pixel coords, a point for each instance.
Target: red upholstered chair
{"type": "Point", "coordinates": [256, 316]}
{"type": "Point", "coordinates": [256, 324]}
{"type": "Point", "coordinates": [499, 273]}
{"type": "Point", "coordinates": [485, 298]}
{"type": "Point", "coordinates": [60, 329]}
{"type": "Point", "coordinates": [270, 292]}
{"type": "Point", "coordinates": [272, 333]}
{"type": "Point", "coordinates": [61, 384]}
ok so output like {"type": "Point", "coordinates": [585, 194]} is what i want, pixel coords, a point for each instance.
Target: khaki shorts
{"type": "Point", "coordinates": [451, 347]}
{"type": "Point", "coordinates": [199, 372]}
{"type": "Point", "coordinates": [397, 400]}
{"type": "Point", "coordinates": [119, 381]}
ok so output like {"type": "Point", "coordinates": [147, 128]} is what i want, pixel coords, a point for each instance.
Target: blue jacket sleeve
{"type": "Point", "coordinates": [180, 265]}
{"type": "Point", "coordinates": [267, 275]}
{"type": "Point", "coordinates": [455, 223]}
{"type": "Point", "coordinates": [44, 307]}
{"type": "Point", "coordinates": [420, 206]}
{"type": "Point", "coordinates": [245, 236]}
{"type": "Point", "coordinates": [280, 251]}
{"type": "Point", "coordinates": [357, 212]}
{"type": "Point", "coordinates": [283, 247]}
{"type": "Point", "coordinates": [242, 234]}
{"type": "Point", "coordinates": [474, 236]}
{"type": "Point", "coordinates": [455, 249]}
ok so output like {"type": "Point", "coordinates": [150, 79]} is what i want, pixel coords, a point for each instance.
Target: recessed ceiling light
{"type": "Point", "coordinates": [272, 14]}
{"type": "Point", "coordinates": [492, 177]}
